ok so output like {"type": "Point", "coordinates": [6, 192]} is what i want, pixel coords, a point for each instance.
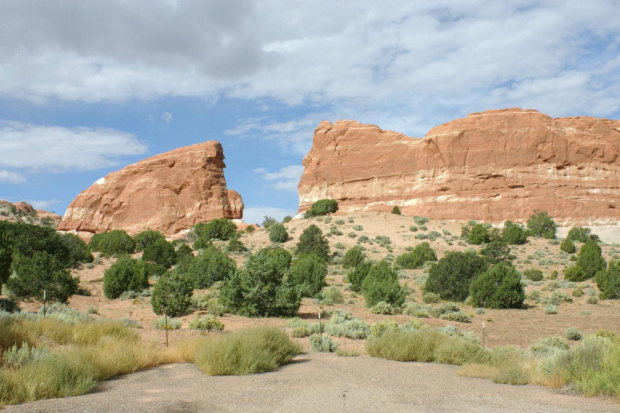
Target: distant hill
{"type": "Point", "coordinates": [24, 212]}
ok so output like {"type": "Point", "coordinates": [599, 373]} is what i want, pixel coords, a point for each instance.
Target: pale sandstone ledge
{"type": "Point", "coordinates": [492, 166]}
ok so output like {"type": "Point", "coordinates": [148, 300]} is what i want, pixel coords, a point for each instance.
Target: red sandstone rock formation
{"type": "Point", "coordinates": [170, 193]}
{"type": "Point", "coordinates": [27, 214]}
{"type": "Point", "coordinates": [492, 166]}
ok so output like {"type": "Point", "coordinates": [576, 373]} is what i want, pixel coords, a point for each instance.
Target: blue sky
{"type": "Point", "coordinates": [89, 87]}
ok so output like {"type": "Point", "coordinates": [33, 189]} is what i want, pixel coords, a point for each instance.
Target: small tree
{"type": "Point", "coordinates": [608, 281]}
{"type": "Point", "coordinates": [514, 234]}
{"type": "Point", "coordinates": [324, 207]}
{"type": "Point", "coordinates": [41, 272]}
{"type": "Point", "coordinates": [541, 225]}
{"type": "Point", "coordinates": [452, 275]}
{"type": "Point", "coordinates": [146, 238]}
{"type": "Point", "coordinates": [287, 219]}
{"type": "Point", "coordinates": [496, 252]}
{"type": "Point", "coordinates": [268, 222]}
{"type": "Point", "coordinates": [498, 287]}
{"type": "Point", "coordinates": [357, 276]}
{"type": "Point", "coordinates": [353, 257]}
{"type": "Point", "coordinates": [115, 242]}
{"type": "Point", "coordinates": [210, 266]}
{"type": "Point", "coordinates": [568, 246]}
{"type": "Point", "coordinates": [308, 273]}
{"type": "Point", "coordinates": [580, 234]}
{"type": "Point", "coordinates": [184, 252]}
{"type": "Point", "coordinates": [381, 284]}
{"type": "Point", "coordinates": [160, 252]}
{"type": "Point", "coordinates": [277, 233]}
{"type": "Point", "coordinates": [173, 292]}
{"type": "Point", "coordinates": [396, 210]}
{"type": "Point", "coordinates": [416, 258]}
{"type": "Point", "coordinates": [575, 273]}
{"type": "Point", "coordinates": [312, 241]}
{"type": "Point", "coordinates": [220, 228]}
{"type": "Point", "coordinates": [479, 234]}
{"type": "Point", "coordinates": [126, 274]}
{"type": "Point", "coordinates": [590, 258]}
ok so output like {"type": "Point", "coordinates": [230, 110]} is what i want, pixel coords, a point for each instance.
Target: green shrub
{"type": "Point", "coordinates": [382, 326]}
{"type": "Point", "coordinates": [592, 300]}
{"type": "Point", "coordinates": [343, 324]}
{"type": "Point", "coordinates": [546, 346]}
{"type": "Point", "coordinates": [251, 351]}
{"type": "Point", "coordinates": [514, 234]}
{"type": "Point", "coordinates": [421, 254]}
{"type": "Point", "coordinates": [533, 274]}
{"type": "Point", "coordinates": [357, 276]}
{"type": "Point", "coordinates": [551, 309]}
{"type": "Point", "coordinates": [384, 308]}
{"type": "Point", "coordinates": [541, 224]}
{"type": "Point", "coordinates": [209, 267]}
{"type": "Point", "coordinates": [146, 238]}
{"type": "Point", "coordinates": [458, 316]}
{"type": "Point", "coordinates": [590, 259]}
{"type": "Point", "coordinates": [575, 273]}
{"type": "Point", "coordinates": [126, 274]}
{"type": "Point", "coordinates": [608, 281]}
{"type": "Point", "coordinates": [420, 220]}
{"type": "Point", "coordinates": [160, 252]}
{"type": "Point", "coordinates": [396, 210]}
{"type": "Point", "coordinates": [184, 252]}
{"type": "Point", "coordinates": [171, 323]}
{"type": "Point", "coordinates": [173, 292]}
{"type": "Point", "coordinates": [479, 234]}
{"type": "Point", "coordinates": [220, 228]}
{"type": "Point", "coordinates": [568, 246]}
{"type": "Point", "coordinates": [353, 257]}
{"type": "Point", "coordinates": [572, 334]}
{"type": "Point", "coordinates": [287, 219]}
{"type": "Point", "coordinates": [308, 273]}
{"type": "Point", "coordinates": [234, 245]}
{"type": "Point", "coordinates": [312, 241]}
{"type": "Point", "coordinates": [259, 290]}
{"type": "Point", "coordinates": [268, 221]}
{"type": "Point", "coordinates": [580, 234]}
{"type": "Point", "coordinates": [114, 242]}
{"type": "Point", "coordinates": [250, 229]}
{"type": "Point", "coordinates": [207, 323]}
{"type": "Point", "coordinates": [381, 284]}
{"type": "Point", "coordinates": [430, 298]}
{"type": "Point", "coordinates": [323, 343]}
{"type": "Point", "coordinates": [496, 251]}
{"type": "Point", "coordinates": [498, 287]}
{"type": "Point", "coordinates": [322, 207]}
{"type": "Point", "coordinates": [559, 297]}
{"type": "Point", "coordinates": [452, 275]}
{"type": "Point", "coordinates": [277, 233]}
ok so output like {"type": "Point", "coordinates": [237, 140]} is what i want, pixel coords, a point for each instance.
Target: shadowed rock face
{"type": "Point", "coordinates": [492, 166]}
{"type": "Point", "coordinates": [169, 192]}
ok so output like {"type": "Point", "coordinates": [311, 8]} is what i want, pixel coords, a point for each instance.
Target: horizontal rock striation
{"type": "Point", "coordinates": [492, 166]}
{"type": "Point", "coordinates": [170, 192]}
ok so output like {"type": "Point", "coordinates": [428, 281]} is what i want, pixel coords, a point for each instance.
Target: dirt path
{"type": "Point", "coordinates": [318, 382]}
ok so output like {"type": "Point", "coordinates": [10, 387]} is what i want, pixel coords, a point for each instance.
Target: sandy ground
{"type": "Point", "coordinates": [318, 382]}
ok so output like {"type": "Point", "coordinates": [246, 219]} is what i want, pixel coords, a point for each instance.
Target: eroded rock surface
{"type": "Point", "coordinates": [170, 192]}
{"type": "Point", "coordinates": [492, 166]}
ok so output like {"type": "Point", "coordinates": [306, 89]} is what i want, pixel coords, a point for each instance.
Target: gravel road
{"type": "Point", "coordinates": [317, 382]}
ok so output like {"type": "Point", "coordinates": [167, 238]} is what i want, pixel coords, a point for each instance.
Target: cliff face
{"type": "Point", "coordinates": [492, 166]}
{"type": "Point", "coordinates": [169, 192]}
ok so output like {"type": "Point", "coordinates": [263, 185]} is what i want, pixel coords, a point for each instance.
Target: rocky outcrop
{"type": "Point", "coordinates": [492, 166]}
{"type": "Point", "coordinates": [170, 193]}
{"type": "Point", "coordinates": [24, 212]}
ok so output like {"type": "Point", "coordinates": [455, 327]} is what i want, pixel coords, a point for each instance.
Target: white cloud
{"type": "Point", "coordinates": [287, 178]}
{"type": "Point", "coordinates": [256, 214]}
{"type": "Point", "coordinates": [46, 205]}
{"type": "Point", "coordinates": [167, 117]}
{"type": "Point", "coordinates": [60, 149]}
{"type": "Point", "coordinates": [12, 177]}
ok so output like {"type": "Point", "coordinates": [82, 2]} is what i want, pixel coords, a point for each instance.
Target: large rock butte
{"type": "Point", "coordinates": [170, 193]}
{"type": "Point", "coordinates": [494, 166]}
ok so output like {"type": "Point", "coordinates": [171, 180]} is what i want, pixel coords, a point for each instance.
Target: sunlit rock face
{"type": "Point", "coordinates": [492, 166]}
{"type": "Point", "coordinates": [170, 193]}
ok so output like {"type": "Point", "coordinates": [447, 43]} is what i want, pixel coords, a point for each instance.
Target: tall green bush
{"type": "Point", "coordinates": [210, 266]}
{"type": "Point", "coordinates": [126, 274]}
{"type": "Point", "coordinates": [357, 276]}
{"type": "Point", "coordinates": [277, 233]}
{"type": "Point", "coordinates": [498, 287]}
{"type": "Point", "coordinates": [160, 252]}
{"type": "Point", "coordinates": [417, 257]}
{"type": "Point", "coordinates": [514, 234]}
{"type": "Point", "coordinates": [541, 224]}
{"type": "Point", "coordinates": [453, 274]}
{"type": "Point", "coordinates": [381, 284]}
{"type": "Point", "coordinates": [590, 258]}
{"type": "Point", "coordinates": [308, 273]}
{"type": "Point", "coordinates": [496, 251]}
{"type": "Point", "coordinates": [479, 234]}
{"type": "Point", "coordinates": [568, 246]}
{"type": "Point", "coordinates": [220, 228]}
{"type": "Point", "coordinates": [580, 234]}
{"type": "Point", "coordinates": [324, 207]}
{"type": "Point", "coordinates": [312, 241]}
{"type": "Point", "coordinates": [173, 291]}
{"type": "Point", "coordinates": [146, 238]}
{"type": "Point", "coordinates": [608, 281]}
{"type": "Point", "coordinates": [353, 257]}
{"type": "Point", "coordinates": [114, 242]}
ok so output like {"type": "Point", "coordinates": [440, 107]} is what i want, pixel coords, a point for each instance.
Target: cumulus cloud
{"type": "Point", "coordinates": [43, 204]}
{"type": "Point", "coordinates": [12, 177]}
{"type": "Point", "coordinates": [286, 178]}
{"type": "Point", "coordinates": [62, 149]}
{"type": "Point", "coordinates": [256, 214]}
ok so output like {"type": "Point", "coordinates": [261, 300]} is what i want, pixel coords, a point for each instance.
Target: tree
{"type": "Point", "coordinates": [396, 210]}
{"type": "Point", "coordinates": [357, 276]}
{"type": "Point", "coordinates": [498, 287]}
{"type": "Point", "coordinates": [210, 266]}
{"type": "Point", "coordinates": [353, 257]}
{"type": "Point", "coordinates": [541, 224]}
{"type": "Point", "coordinates": [234, 245]}
{"type": "Point", "coordinates": [497, 251]}
{"type": "Point", "coordinates": [126, 274]}
{"type": "Point", "coordinates": [381, 284]}
{"type": "Point", "coordinates": [514, 234]}
{"type": "Point", "coordinates": [568, 246]}
{"type": "Point", "coordinates": [77, 249]}
{"type": "Point", "coordinates": [312, 241]}
{"type": "Point", "coordinates": [580, 234]}
{"type": "Point", "coordinates": [160, 252]}
{"type": "Point", "coordinates": [322, 207]}
{"type": "Point", "coordinates": [220, 228]}
{"type": "Point", "coordinates": [575, 273]}
{"type": "Point", "coordinates": [453, 274]}
{"type": "Point", "coordinates": [277, 233]}
{"type": "Point", "coordinates": [287, 219]}
{"type": "Point", "coordinates": [268, 221]}
{"type": "Point", "coordinates": [259, 289]}
{"type": "Point", "coordinates": [114, 242]}
{"type": "Point", "coordinates": [42, 272]}
{"type": "Point", "coordinates": [308, 273]}
{"type": "Point", "coordinates": [590, 258]}
{"type": "Point", "coordinates": [479, 234]}
{"type": "Point", "coordinates": [146, 238]}
{"type": "Point", "coordinates": [184, 252]}
{"type": "Point", "coordinates": [416, 258]}
{"type": "Point", "coordinates": [173, 292]}
{"type": "Point", "coordinates": [608, 281]}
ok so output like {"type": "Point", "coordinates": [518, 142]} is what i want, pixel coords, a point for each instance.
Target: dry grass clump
{"type": "Point", "coordinates": [248, 351]}
{"type": "Point", "coordinates": [71, 358]}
